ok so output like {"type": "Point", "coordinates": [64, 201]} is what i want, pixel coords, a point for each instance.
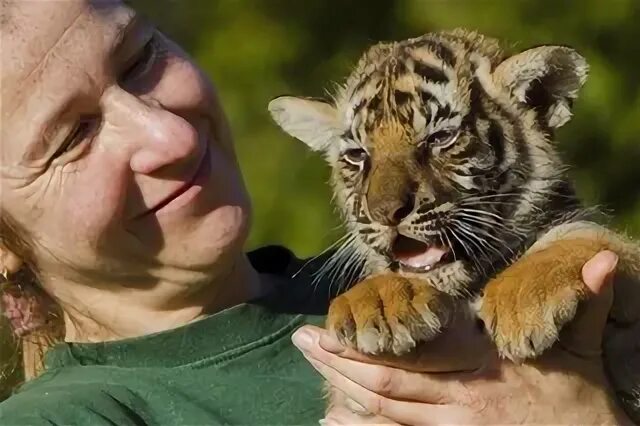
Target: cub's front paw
{"type": "Point", "coordinates": [389, 314]}
{"type": "Point", "coordinates": [526, 305]}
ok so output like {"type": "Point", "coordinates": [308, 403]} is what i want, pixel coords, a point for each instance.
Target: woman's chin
{"type": "Point", "coordinates": [217, 240]}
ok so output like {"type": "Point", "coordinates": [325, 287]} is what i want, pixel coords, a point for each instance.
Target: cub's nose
{"type": "Point", "coordinates": [391, 212]}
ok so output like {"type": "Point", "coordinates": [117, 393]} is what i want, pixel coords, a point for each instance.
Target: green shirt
{"type": "Point", "coordinates": [235, 367]}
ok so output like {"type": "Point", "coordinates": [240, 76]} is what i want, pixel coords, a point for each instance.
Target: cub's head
{"type": "Point", "coordinates": [441, 146]}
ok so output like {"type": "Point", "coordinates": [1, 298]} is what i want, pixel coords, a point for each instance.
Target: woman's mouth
{"type": "Point", "coordinates": [187, 192]}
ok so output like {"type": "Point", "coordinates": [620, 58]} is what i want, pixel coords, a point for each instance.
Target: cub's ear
{"type": "Point", "coordinates": [546, 78]}
{"type": "Point", "coordinates": [313, 121]}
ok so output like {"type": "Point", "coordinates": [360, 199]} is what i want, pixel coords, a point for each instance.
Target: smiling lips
{"type": "Point", "coordinates": [198, 175]}
{"type": "Point", "coordinates": [416, 256]}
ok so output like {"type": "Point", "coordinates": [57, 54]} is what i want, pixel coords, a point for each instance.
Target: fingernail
{"type": "Point", "coordinates": [303, 339]}
{"type": "Point", "coordinates": [599, 270]}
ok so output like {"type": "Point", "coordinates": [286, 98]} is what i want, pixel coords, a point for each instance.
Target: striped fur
{"type": "Point", "coordinates": [446, 140]}
{"type": "Point", "coordinates": [487, 195]}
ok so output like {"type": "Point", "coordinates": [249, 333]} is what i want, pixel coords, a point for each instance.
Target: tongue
{"type": "Point", "coordinates": [429, 257]}
{"type": "Point", "coordinates": [415, 253]}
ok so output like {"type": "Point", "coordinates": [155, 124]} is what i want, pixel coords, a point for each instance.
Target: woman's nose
{"type": "Point", "coordinates": [163, 143]}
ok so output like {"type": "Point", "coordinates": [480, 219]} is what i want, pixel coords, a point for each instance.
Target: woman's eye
{"type": "Point", "coordinates": [355, 156]}
{"type": "Point", "coordinates": [84, 129]}
{"type": "Point", "coordinates": [141, 62]}
{"type": "Point", "coordinates": [442, 138]}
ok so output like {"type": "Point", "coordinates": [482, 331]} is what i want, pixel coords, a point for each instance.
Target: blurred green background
{"type": "Point", "coordinates": [255, 50]}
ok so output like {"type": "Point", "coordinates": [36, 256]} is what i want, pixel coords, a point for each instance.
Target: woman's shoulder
{"type": "Point", "coordinates": [57, 398]}
{"type": "Point", "coordinates": [303, 285]}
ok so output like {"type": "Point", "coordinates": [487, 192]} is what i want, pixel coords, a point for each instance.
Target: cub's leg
{"type": "Point", "coordinates": [527, 304]}
{"type": "Point", "coordinates": [626, 304]}
{"type": "Point", "coordinates": [389, 314]}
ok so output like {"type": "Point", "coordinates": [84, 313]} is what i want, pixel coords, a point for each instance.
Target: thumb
{"type": "Point", "coordinates": [583, 335]}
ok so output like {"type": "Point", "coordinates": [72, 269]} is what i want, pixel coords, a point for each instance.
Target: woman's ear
{"type": "Point", "coordinates": [10, 263]}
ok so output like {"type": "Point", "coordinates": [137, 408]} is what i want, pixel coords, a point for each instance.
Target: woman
{"type": "Point", "coordinates": [122, 197]}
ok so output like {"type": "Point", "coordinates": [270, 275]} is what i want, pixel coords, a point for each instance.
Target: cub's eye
{"type": "Point", "coordinates": [355, 156]}
{"type": "Point", "coordinates": [442, 138]}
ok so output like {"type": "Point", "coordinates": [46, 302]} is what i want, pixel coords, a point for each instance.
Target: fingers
{"type": "Point", "coordinates": [379, 379]}
{"type": "Point", "coordinates": [462, 347]}
{"type": "Point", "coordinates": [344, 416]}
{"type": "Point", "coordinates": [599, 270]}
{"type": "Point", "coordinates": [583, 335]}
{"type": "Point", "coordinates": [403, 412]}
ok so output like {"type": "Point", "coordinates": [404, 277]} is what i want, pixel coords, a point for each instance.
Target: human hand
{"type": "Point", "coordinates": [567, 384]}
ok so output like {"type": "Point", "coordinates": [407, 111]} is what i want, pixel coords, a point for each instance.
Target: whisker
{"type": "Point", "coordinates": [490, 223]}
{"type": "Point", "coordinates": [471, 238]}
{"type": "Point", "coordinates": [473, 230]}
{"type": "Point", "coordinates": [466, 249]}
{"type": "Point", "coordinates": [325, 251]}
{"type": "Point", "coordinates": [449, 244]}
{"type": "Point", "coordinates": [481, 212]}
{"type": "Point", "coordinates": [489, 196]}
{"type": "Point", "coordinates": [335, 259]}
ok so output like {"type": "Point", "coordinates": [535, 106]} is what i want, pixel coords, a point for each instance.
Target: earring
{"type": "Point", "coordinates": [4, 274]}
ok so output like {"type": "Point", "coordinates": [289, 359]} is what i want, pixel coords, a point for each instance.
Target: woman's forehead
{"type": "Point", "coordinates": [35, 33]}
{"type": "Point", "coordinates": [48, 49]}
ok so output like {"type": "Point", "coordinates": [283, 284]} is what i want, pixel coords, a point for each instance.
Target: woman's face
{"type": "Point", "coordinates": [116, 155]}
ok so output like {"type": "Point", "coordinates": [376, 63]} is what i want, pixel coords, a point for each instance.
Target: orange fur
{"type": "Point", "coordinates": [524, 307]}
{"type": "Point", "coordinates": [389, 313]}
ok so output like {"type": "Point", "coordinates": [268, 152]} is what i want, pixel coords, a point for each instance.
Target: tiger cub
{"type": "Point", "coordinates": [446, 172]}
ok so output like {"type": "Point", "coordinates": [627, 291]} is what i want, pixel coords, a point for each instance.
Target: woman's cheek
{"type": "Point", "coordinates": [98, 198]}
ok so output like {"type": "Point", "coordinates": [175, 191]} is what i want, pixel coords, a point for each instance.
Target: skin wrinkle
{"type": "Point", "coordinates": [102, 255]}
{"type": "Point", "coordinates": [42, 61]}
{"type": "Point", "coordinates": [93, 86]}
{"type": "Point", "coordinates": [44, 149]}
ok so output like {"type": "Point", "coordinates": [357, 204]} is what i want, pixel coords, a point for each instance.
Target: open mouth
{"type": "Point", "coordinates": [415, 256]}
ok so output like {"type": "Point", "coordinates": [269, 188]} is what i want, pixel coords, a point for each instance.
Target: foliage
{"type": "Point", "coordinates": [255, 50]}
